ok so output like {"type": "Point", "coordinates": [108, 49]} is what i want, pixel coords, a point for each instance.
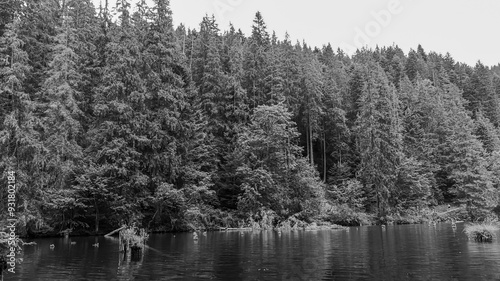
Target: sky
{"type": "Point", "coordinates": [467, 29]}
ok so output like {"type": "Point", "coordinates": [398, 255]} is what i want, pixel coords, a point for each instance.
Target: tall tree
{"type": "Point", "coordinates": [256, 65]}
{"type": "Point", "coordinates": [21, 148]}
{"type": "Point", "coordinates": [462, 156]}
{"type": "Point", "coordinates": [62, 131]}
{"type": "Point", "coordinates": [481, 95]}
{"type": "Point", "coordinates": [273, 170]}
{"type": "Point", "coordinates": [311, 96]}
{"type": "Point", "coordinates": [235, 115]}
{"type": "Point", "coordinates": [379, 139]}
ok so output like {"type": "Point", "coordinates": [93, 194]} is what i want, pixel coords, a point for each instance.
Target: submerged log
{"type": "Point", "coordinates": [448, 211]}
{"type": "Point", "coordinates": [235, 228]}
{"type": "Point", "coordinates": [116, 230]}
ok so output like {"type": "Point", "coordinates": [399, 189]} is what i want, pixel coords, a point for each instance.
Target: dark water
{"type": "Point", "coordinates": [408, 252]}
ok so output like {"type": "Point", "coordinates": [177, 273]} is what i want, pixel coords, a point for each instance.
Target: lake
{"type": "Point", "coordinates": [403, 252]}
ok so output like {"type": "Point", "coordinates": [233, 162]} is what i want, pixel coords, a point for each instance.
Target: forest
{"type": "Point", "coordinates": [112, 115]}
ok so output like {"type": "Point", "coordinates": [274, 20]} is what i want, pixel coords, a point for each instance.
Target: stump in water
{"type": "Point", "coordinates": [135, 253]}
{"type": "Point", "coordinates": [121, 243]}
{"type": "Point", "coordinates": [131, 241]}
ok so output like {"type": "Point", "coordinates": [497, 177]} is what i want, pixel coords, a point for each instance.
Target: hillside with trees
{"type": "Point", "coordinates": [112, 115]}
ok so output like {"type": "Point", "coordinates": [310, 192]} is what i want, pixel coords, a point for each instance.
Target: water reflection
{"type": "Point", "coordinates": [408, 252]}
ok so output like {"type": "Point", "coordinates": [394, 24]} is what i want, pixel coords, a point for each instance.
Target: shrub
{"type": "Point", "coordinates": [483, 232]}
{"type": "Point", "coordinates": [349, 192]}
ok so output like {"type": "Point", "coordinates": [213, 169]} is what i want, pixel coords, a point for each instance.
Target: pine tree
{"type": "Point", "coordinates": [393, 62]}
{"type": "Point", "coordinates": [463, 156]}
{"type": "Point", "coordinates": [21, 148]}
{"type": "Point", "coordinates": [275, 80]}
{"type": "Point", "coordinates": [379, 139]}
{"type": "Point", "coordinates": [208, 73]}
{"type": "Point", "coordinates": [486, 133]}
{"type": "Point", "coordinates": [39, 28]}
{"type": "Point", "coordinates": [311, 96]}
{"type": "Point", "coordinates": [235, 113]}
{"type": "Point", "coordinates": [355, 88]}
{"type": "Point", "coordinates": [61, 124]}
{"type": "Point", "coordinates": [481, 96]}
{"type": "Point", "coordinates": [8, 12]}
{"type": "Point", "coordinates": [334, 130]}
{"type": "Point", "coordinates": [411, 65]}
{"type": "Point", "coordinates": [421, 52]}
{"type": "Point", "coordinates": [291, 71]}
{"type": "Point", "coordinates": [256, 65]}
{"type": "Point", "coordinates": [116, 137]}
{"type": "Point", "coordinates": [420, 116]}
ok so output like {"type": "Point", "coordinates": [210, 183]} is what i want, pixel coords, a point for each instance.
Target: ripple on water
{"type": "Point", "coordinates": [407, 252]}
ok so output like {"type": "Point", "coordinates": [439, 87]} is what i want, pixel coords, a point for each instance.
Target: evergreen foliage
{"type": "Point", "coordinates": [121, 119]}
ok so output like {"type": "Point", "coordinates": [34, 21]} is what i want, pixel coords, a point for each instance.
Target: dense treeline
{"type": "Point", "coordinates": [112, 115]}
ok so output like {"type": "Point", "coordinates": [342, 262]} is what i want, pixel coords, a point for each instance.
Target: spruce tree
{"type": "Point", "coordinates": [62, 131]}
{"type": "Point", "coordinates": [463, 157]}
{"type": "Point", "coordinates": [379, 139]}
{"type": "Point", "coordinates": [256, 65]}
{"type": "Point", "coordinates": [21, 147]}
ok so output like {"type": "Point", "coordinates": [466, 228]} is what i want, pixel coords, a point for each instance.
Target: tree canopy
{"type": "Point", "coordinates": [120, 119]}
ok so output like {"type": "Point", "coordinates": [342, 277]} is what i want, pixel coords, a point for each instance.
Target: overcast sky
{"type": "Point", "coordinates": [467, 29]}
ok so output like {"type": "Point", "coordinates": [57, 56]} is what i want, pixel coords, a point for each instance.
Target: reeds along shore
{"type": "Point", "coordinates": [484, 232]}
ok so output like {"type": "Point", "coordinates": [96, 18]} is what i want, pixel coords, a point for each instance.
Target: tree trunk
{"type": "Point", "coordinates": [191, 57]}
{"type": "Point", "coordinates": [307, 143]}
{"type": "Point", "coordinates": [310, 141]}
{"type": "Point", "coordinates": [96, 217]}
{"type": "Point", "coordinates": [288, 154]}
{"type": "Point", "coordinates": [324, 158]}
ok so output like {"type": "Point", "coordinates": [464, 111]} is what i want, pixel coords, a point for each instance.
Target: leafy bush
{"type": "Point", "coordinates": [350, 193]}
{"type": "Point", "coordinates": [483, 232]}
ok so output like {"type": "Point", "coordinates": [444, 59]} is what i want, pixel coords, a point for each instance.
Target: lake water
{"type": "Point", "coordinates": [406, 252]}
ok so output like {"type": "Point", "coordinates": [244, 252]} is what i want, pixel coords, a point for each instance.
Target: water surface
{"type": "Point", "coordinates": [407, 252]}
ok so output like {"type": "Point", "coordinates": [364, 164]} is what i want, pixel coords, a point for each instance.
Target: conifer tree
{"type": "Point", "coordinates": [61, 123]}
{"type": "Point", "coordinates": [116, 137]}
{"type": "Point", "coordinates": [20, 144]}
{"type": "Point", "coordinates": [411, 65]}
{"type": "Point", "coordinates": [486, 133]}
{"type": "Point", "coordinates": [256, 65]}
{"type": "Point", "coordinates": [274, 174]}
{"type": "Point", "coordinates": [480, 93]}
{"type": "Point", "coordinates": [463, 156]}
{"type": "Point", "coordinates": [379, 139]}
{"type": "Point", "coordinates": [235, 113]}
{"type": "Point", "coordinates": [421, 124]}
{"type": "Point", "coordinates": [311, 96]}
